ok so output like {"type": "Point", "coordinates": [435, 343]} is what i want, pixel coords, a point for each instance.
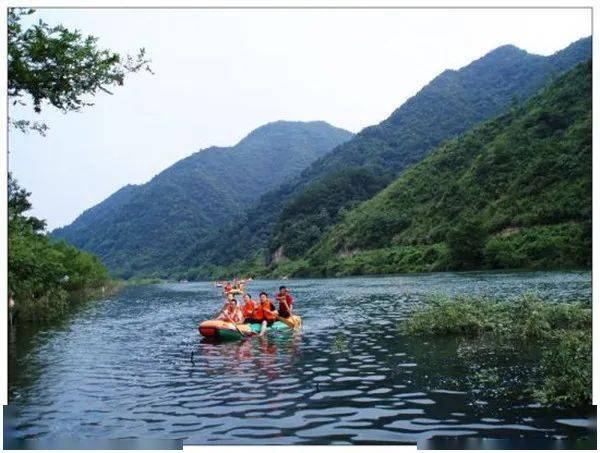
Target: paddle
{"type": "Point", "coordinates": [287, 322]}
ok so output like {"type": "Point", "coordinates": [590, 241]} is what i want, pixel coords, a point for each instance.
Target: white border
{"type": "Point", "coordinates": [286, 4]}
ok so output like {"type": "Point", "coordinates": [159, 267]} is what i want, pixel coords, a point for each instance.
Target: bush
{"type": "Point", "coordinates": [527, 316]}
{"type": "Point", "coordinates": [465, 243]}
{"type": "Point", "coordinates": [565, 328]}
{"type": "Point", "coordinates": [567, 367]}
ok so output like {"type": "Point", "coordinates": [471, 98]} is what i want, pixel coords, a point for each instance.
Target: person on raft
{"type": "Point", "coordinates": [250, 310]}
{"type": "Point", "coordinates": [285, 302]}
{"type": "Point", "coordinates": [231, 312]}
{"type": "Point", "coordinates": [266, 312]}
{"type": "Point", "coordinates": [228, 288]}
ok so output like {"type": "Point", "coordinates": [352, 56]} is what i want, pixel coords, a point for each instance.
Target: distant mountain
{"type": "Point", "coordinates": [514, 192]}
{"type": "Point", "coordinates": [150, 227]}
{"type": "Point", "coordinates": [290, 219]}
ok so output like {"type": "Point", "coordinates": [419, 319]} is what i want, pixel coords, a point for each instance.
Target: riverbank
{"type": "Point", "coordinates": [58, 302]}
{"type": "Point", "coordinates": [390, 261]}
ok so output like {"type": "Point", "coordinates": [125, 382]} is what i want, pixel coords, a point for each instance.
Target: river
{"type": "Point", "coordinates": [134, 366]}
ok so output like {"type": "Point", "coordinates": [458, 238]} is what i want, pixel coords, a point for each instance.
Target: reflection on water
{"type": "Point", "coordinates": [135, 367]}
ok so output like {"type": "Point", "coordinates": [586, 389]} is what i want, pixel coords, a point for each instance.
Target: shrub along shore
{"type": "Point", "coordinates": [561, 331]}
{"type": "Point", "coordinates": [45, 277]}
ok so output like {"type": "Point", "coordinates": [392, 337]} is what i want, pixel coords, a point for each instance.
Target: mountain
{"type": "Point", "coordinates": [288, 220]}
{"type": "Point", "coordinates": [513, 192]}
{"type": "Point", "coordinates": [147, 228]}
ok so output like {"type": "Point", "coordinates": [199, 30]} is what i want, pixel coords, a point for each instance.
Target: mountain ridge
{"type": "Point", "coordinates": [130, 229]}
{"type": "Point", "coordinates": [512, 192]}
{"type": "Point", "coordinates": [448, 105]}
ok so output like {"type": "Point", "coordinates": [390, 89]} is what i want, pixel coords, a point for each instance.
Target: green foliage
{"type": "Point", "coordinates": [567, 370]}
{"type": "Point", "coordinates": [42, 274]}
{"type": "Point", "coordinates": [513, 192]}
{"type": "Point", "coordinates": [563, 329]}
{"type": "Point", "coordinates": [392, 260]}
{"type": "Point", "coordinates": [563, 245]}
{"type": "Point", "coordinates": [465, 243]}
{"type": "Point", "coordinates": [306, 217]}
{"type": "Point", "coordinates": [60, 66]}
{"type": "Point", "coordinates": [525, 317]}
{"type": "Point", "coordinates": [161, 227]}
{"type": "Point", "coordinates": [300, 213]}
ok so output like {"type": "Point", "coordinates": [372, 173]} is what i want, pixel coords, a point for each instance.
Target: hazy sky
{"type": "Point", "coordinates": [221, 73]}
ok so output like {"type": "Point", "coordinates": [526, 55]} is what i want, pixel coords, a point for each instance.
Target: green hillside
{"type": "Point", "coordinates": [288, 220]}
{"type": "Point", "coordinates": [149, 229]}
{"type": "Point", "coordinates": [514, 192]}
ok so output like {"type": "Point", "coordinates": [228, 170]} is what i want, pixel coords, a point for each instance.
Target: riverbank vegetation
{"type": "Point", "coordinates": [561, 331]}
{"type": "Point", "coordinates": [46, 276]}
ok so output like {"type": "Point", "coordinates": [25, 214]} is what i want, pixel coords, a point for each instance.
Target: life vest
{"type": "Point", "coordinates": [249, 309]}
{"type": "Point", "coordinates": [267, 309]}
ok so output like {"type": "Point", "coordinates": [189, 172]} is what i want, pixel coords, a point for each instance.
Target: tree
{"type": "Point", "coordinates": [60, 66]}
{"type": "Point", "coordinates": [465, 243]}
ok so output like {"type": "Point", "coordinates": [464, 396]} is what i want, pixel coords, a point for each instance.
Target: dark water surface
{"type": "Point", "coordinates": [134, 366]}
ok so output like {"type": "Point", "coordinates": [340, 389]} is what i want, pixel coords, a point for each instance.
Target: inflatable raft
{"type": "Point", "coordinates": [224, 330]}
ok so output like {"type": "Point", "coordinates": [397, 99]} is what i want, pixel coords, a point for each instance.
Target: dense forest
{"type": "Point", "coordinates": [514, 192]}
{"type": "Point", "coordinates": [287, 221]}
{"type": "Point", "coordinates": [148, 228]}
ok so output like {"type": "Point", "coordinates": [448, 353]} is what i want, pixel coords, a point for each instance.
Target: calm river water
{"type": "Point", "coordinates": [134, 366]}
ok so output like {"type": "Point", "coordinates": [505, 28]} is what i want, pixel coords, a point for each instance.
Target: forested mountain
{"type": "Point", "coordinates": [512, 192]}
{"type": "Point", "coordinates": [151, 227]}
{"type": "Point", "coordinates": [288, 220]}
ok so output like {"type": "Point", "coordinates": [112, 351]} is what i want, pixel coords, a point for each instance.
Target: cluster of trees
{"type": "Point", "coordinates": [44, 275]}
{"type": "Point", "coordinates": [58, 67]}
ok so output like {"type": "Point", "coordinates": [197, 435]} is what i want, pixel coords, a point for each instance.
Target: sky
{"type": "Point", "coordinates": [219, 74]}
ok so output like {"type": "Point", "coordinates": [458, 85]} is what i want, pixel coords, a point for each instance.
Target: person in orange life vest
{"type": "Point", "coordinates": [285, 302]}
{"type": "Point", "coordinates": [231, 312]}
{"type": "Point", "coordinates": [250, 310]}
{"type": "Point", "coordinates": [267, 310]}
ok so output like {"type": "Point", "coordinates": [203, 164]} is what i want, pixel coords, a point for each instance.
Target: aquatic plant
{"type": "Point", "coordinates": [527, 316]}
{"type": "Point", "coordinates": [567, 369]}
{"type": "Point", "coordinates": [560, 330]}
{"type": "Point", "coordinates": [339, 343]}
